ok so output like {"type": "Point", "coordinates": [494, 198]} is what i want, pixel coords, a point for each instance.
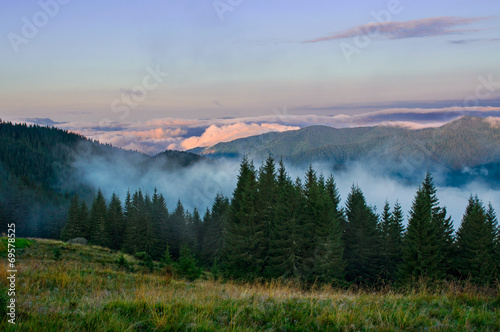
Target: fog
{"type": "Point", "coordinates": [197, 185]}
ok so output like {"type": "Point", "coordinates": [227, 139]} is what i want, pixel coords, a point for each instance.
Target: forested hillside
{"type": "Point", "coordinates": [36, 174]}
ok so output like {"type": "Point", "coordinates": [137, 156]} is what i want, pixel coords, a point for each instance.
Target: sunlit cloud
{"type": "Point", "coordinates": [215, 134]}
{"type": "Point", "coordinates": [158, 135]}
{"type": "Point", "coordinates": [427, 27]}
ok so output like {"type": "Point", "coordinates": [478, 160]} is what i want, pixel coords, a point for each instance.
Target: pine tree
{"type": "Point", "coordinates": [187, 266]}
{"type": "Point", "coordinates": [266, 198]}
{"type": "Point", "coordinates": [141, 219]}
{"type": "Point", "coordinates": [115, 223]}
{"type": "Point", "coordinates": [392, 239]}
{"type": "Point", "coordinates": [241, 233]}
{"type": "Point", "coordinates": [176, 236]}
{"type": "Point", "coordinates": [493, 223]}
{"type": "Point", "coordinates": [361, 239]}
{"type": "Point", "coordinates": [84, 220]}
{"type": "Point", "coordinates": [155, 243]}
{"type": "Point", "coordinates": [328, 253]}
{"type": "Point", "coordinates": [285, 243]}
{"type": "Point", "coordinates": [98, 231]}
{"type": "Point", "coordinates": [476, 244]}
{"type": "Point", "coordinates": [130, 216]}
{"type": "Point", "coordinates": [212, 225]}
{"type": "Point", "coordinates": [428, 242]}
{"type": "Point", "coordinates": [311, 214]}
{"type": "Point", "coordinates": [73, 227]}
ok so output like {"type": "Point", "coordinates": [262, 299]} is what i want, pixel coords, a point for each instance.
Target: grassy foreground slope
{"type": "Point", "coordinates": [82, 288]}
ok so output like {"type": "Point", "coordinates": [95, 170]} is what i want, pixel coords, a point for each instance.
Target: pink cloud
{"type": "Point", "coordinates": [215, 134]}
{"type": "Point", "coordinates": [427, 27]}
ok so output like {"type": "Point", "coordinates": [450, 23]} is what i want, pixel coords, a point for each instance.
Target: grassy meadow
{"type": "Point", "coordinates": [63, 287]}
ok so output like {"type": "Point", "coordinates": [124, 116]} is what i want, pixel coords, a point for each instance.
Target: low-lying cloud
{"type": "Point", "coordinates": [157, 135]}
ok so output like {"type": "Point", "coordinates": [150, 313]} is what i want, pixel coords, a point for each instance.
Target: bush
{"type": "Point", "coordinates": [57, 253]}
{"type": "Point", "coordinates": [146, 259]}
{"type": "Point", "coordinates": [122, 262]}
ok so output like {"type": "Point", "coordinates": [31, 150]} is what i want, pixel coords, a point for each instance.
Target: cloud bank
{"type": "Point", "coordinates": [157, 135]}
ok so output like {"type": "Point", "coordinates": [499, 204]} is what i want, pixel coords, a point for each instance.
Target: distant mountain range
{"type": "Point", "coordinates": [468, 146]}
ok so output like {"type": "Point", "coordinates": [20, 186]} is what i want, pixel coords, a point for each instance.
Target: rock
{"type": "Point", "coordinates": [78, 240]}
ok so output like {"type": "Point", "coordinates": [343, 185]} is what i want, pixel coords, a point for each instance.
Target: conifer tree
{"type": "Point", "coordinates": [155, 245]}
{"type": "Point", "coordinates": [84, 219]}
{"type": "Point", "coordinates": [266, 198]}
{"type": "Point", "coordinates": [187, 266]}
{"type": "Point", "coordinates": [361, 238]}
{"type": "Point", "coordinates": [428, 242]}
{"type": "Point", "coordinates": [242, 234]}
{"type": "Point", "coordinates": [130, 216]}
{"type": "Point", "coordinates": [310, 217]}
{"type": "Point", "coordinates": [115, 223]}
{"type": "Point", "coordinates": [286, 237]}
{"type": "Point", "coordinates": [176, 235]}
{"type": "Point", "coordinates": [98, 231]}
{"type": "Point", "coordinates": [493, 223]}
{"type": "Point", "coordinates": [197, 230]}
{"type": "Point", "coordinates": [141, 220]}
{"type": "Point", "coordinates": [329, 265]}
{"type": "Point", "coordinates": [392, 239]}
{"type": "Point", "coordinates": [476, 244]}
{"type": "Point", "coordinates": [73, 227]}
{"type": "Point", "coordinates": [213, 224]}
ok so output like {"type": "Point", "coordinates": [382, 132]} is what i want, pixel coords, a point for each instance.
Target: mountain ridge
{"type": "Point", "coordinates": [479, 143]}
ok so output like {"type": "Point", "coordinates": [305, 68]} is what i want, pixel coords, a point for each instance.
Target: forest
{"type": "Point", "coordinates": [277, 228]}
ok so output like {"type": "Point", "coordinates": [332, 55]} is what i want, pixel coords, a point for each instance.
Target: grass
{"type": "Point", "coordinates": [85, 289]}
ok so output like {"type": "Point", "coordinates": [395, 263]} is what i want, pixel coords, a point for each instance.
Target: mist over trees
{"type": "Point", "coordinates": [274, 227]}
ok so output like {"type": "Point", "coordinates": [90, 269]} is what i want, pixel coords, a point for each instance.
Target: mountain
{"type": "Point", "coordinates": [458, 146]}
{"type": "Point", "coordinates": [40, 169]}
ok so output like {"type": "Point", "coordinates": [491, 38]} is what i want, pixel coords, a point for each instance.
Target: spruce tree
{"type": "Point", "coordinates": [267, 196]}
{"type": "Point", "coordinates": [85, 220]}
{"type": "Point", "coordinates": [141, 220]}
{"type": "Point", "coordinates": [362, 242]}
{"type": "Point", "coordinates": [310, 217]}
{"type": "Point", "coordinates": [73, 227]}
{"type": "Point", "coordinates": [392, 239]}
{"type": "Point", "coordinates": [177, 232]}
{"type": "Point", "coordinates": [476, 258]}
{"type": "Point", "coordinates": [98, 218]}
{"type": "Point", "coordinates": [493, 223]}
{"type": "Point", "coordinates": [428, 242]}
{"type": "Point", "coordinates": [187, 266]}
{"type": "Point", "coordinates": [329, 265]}
{"type": "Point", "coordinates": [242, 234]}
{"type": "Point", "coordinates": [115, 223]}
{"type": "Point", "coordinates": [286, 236]}
{"type": "Point", "coordinates": [213, 225]}
{"type": "Point", "coordinates": [130, 216]}
{"type": "Point", "coordinates": [155, 245]}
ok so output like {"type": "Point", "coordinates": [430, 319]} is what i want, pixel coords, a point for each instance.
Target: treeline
{"type": "Point", "coordinates": [276, 227]}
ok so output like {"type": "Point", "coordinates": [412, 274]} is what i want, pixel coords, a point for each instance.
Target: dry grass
{"type": "Point", "coordinates": [87, 291]}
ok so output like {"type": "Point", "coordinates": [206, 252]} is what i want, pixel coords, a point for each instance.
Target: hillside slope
{"type": "Point", "coordinates": [84, 288]}
{"type": "Point", "coordinates": [38, 173]}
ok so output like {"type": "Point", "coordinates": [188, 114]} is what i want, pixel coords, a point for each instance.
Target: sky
{"type": "Point", "coordinates": [178, 74]}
